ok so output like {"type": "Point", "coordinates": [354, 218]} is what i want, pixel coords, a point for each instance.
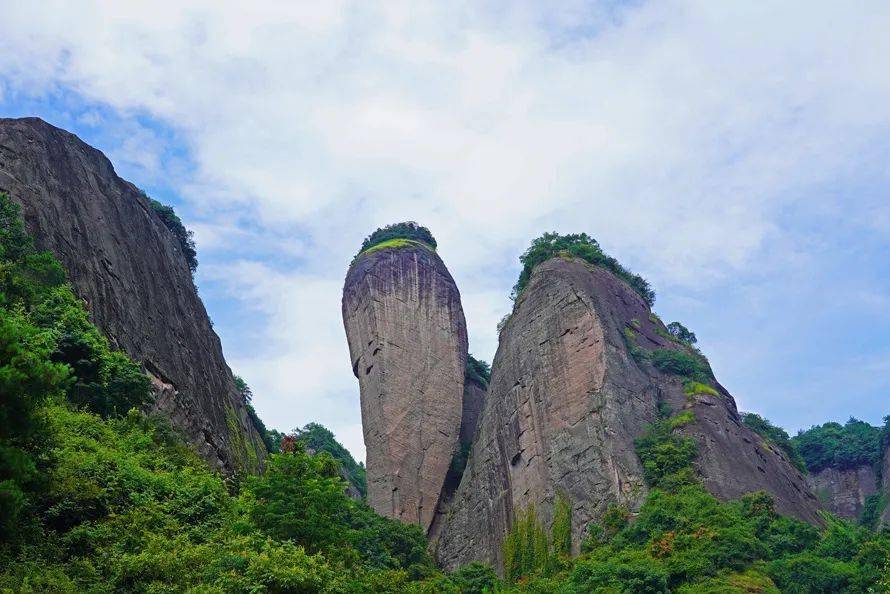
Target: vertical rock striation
{"type": "Point", "coordinates": [567, 400]}
{"type": "Point", "coordinates": [843, 492]}
{"type": "Point", "coordinates": [130, 270]}
{"type": "Point", "coordinates": [408, 346]}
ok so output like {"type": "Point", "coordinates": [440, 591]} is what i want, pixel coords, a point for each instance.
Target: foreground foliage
{"type": "Point", "coordinates": [98, 497]}
{"type": "Point", "coordinates": [319, 438]}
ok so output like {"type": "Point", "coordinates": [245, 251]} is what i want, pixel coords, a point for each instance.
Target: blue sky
{"type": "Point", "coordinates": [735, 156]}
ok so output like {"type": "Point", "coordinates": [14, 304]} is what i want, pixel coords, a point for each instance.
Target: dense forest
{"type": "Point", "coordinates": [96, 496]}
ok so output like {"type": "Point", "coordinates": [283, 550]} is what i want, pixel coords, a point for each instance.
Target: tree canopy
{"type": "Point", "coordinates": [185, 237]}
{"type": "Point", "coordinates": [852, 444]}
{"type": "Point", "coordinates": [578, 245]}
{"type": "Point", "coordinates": [407, 230]}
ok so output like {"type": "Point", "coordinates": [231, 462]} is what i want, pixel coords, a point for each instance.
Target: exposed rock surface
{"type": "Point", "coordinates": [566, 401]}
{"type": "Point", "coordinates": [473, 403]}
{"type": "Point", "coordinates": [129, 269]}
{"type": "Point", "coordinates": [885, 476]}
{"type": "Point", "coordinates": [408, 346]}
{"type": "Point", "coordinates": [843, 492]}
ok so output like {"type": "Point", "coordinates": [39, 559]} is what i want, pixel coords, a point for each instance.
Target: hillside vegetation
{"type": "Point", "coordinates": [95, 496]}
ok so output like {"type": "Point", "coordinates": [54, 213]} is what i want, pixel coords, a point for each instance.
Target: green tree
{"type": "Point", "coordinates": [578, 245]}
{"type": "Point", "coordinates": [407, 230]}
{"type": "Point", "coordinates": [319, 438]}
{"type": "Point", "coordinates": [185, 237]}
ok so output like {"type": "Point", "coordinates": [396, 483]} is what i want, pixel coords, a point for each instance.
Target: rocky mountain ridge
{"type": "Point", "coordinates": [130, 269]}
{"type": "Point", "coordinates": [583, 369]}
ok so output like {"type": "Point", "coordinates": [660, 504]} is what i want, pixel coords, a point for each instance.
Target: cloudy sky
{"type": "Point", "coordinates": [736, 154]}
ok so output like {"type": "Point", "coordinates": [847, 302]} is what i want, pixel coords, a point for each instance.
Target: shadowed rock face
{"type": "Point", "coordinates": [129, 269]}
{"type": "Point", "coordinates": [565, 404]}
{"type": "Point", "coordinates": [408, 345]}
{"type": "Point", "coordinates": [843, 492]}
{"type": "Point", "coordinates": [473, 403]}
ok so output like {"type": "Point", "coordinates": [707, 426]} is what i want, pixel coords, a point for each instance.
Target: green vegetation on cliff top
{"type": "Point", "coordinates": [185, 237]}
{"type": "Point", "coordinates": [95, 496]}
{"type": "Point", "coordinates": [398, 235]}
{"type": "Point", "coordinates": [577, 245]}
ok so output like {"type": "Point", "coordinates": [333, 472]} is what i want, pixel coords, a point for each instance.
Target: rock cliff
{"type": "Point", "coordinates": [843, 492]}
{"type": "Point", "coordinates": [473, 403]}
{"type": "Point", "coordinates": [130, 270]}
{"type": "Point", "coordinates": [408, 346]}
{"type": "Point", "coordinates": [885, 475]}
{"type": "Point", "coordinates": [568, 397]}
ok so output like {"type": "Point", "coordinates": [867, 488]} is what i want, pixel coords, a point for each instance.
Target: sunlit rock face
{"type": "Point", "coordinates": [129, 269]}
{"type": "Point", "coordinates": [566, 401]}
{"type": "Point", "coordinates": [408, 345]}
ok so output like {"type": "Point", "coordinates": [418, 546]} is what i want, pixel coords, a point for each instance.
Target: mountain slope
{"type": "Point", "coordinates": [581, 369]}
{"type": "Point", "coordinates": [132, 272]}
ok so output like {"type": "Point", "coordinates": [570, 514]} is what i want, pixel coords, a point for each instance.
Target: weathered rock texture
{"type": "Point", "coordinates": [408, 345]}
{"type": "Point", "coordinates": [129, 269]}
{"type": "Point", "coordinates": [566, 401]}
{"type": "Point", "coordinates": [885, 476]}
{"type": "Point", "coordinates": [473, 403]}
{"type": "Point", "coordinates": [843, 492]}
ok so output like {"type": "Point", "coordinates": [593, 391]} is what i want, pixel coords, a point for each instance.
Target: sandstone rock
{"type": "Point", "coordinates": [408, 345]}
{"type": "Point", "coordinates": [129, 269]}
{"type": "Point", "coordinates": [566, 401]}
{"type": "Point", "coordinates": [843, 492]}
{"type": "Point", "coordinates": [473, 403]}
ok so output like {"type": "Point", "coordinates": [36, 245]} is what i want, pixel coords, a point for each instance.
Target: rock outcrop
{"type": "Point", "coordinates": [843, 492]}
{"type": "Point", "coordinates": [129, 269]}
{"type": "Point", "coordinates": [885, 476]}
{"type": "Point", "coordinates": [408, 346]}
{"type": "Point", "coordinates": [473, 403]}
{"type": "Point", "coordinates": [567, 399]}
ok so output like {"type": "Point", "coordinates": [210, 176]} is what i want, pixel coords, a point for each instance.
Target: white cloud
{"type": "Point", "coordinates": [675, 132]}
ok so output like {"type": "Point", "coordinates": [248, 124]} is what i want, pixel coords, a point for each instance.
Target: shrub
{"type": "Point", "coordinates": [478, 371]}
{"type": "Point", "coordinates": [407, 230]}
{"type": "Point", "coordinates": [319, 438]}
{"type": "Point", "coordinates": [665, 455]}
{"type": "Point", "coordinates": [561, 528]}
{"type": "Point", "coordinates": [680, 362]}
{"type": "Point", "coordinates": [475, 578]}
{"type": "Point", "coordinates": [185, 237]}
{"type": "Point", "coordinates": [855, 443]}
{"type": "Point", "coordinates": [578, 245]}
{"type": "Point", "coordinates": [681, 333]}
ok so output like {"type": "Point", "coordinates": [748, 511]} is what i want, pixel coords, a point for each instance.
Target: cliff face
{"type": "Point", "coordinates": [885, 474]}
{"type": "Point", "coordinates": [408, 346]}
{"type": "Point", "coordinates": [566, 401]}
{"type": "Point", "coordinates": [473, 403]}
{"type": "Point", "coordinates": [129, 269]}
{"type": "Point", "coordinates": [843, 492]}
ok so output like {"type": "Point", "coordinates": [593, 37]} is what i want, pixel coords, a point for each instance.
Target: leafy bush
{"type": "Point", "coordinates": [839, 446]}
{"type": "Point", "coordinates": [475, 578]}
{"type": "Point", "coordinates": [185, 237]}
{"type": "Point", "coordinates": [407, 230]}
{"type": "Point", "coordinates": [666, 456]}
{"type": "Point", "coordinates": [578, 245]}
{"type": "Point", "coordinates": [478, 371]}
{"type": "Point", "coordinates": [681, 333]}
{"type": "Point", "coordinates": [681, 362]}
{"type": "Point", "coordinates": [775, 435]}
{"type": "Point", "coordinates": [319, 438]}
